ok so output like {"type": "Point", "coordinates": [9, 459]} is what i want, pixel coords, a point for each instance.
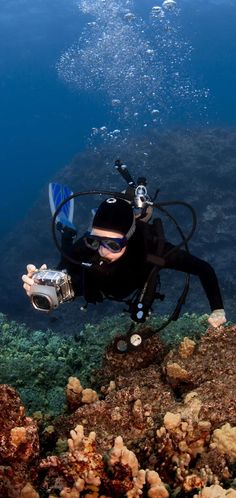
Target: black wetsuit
{"type": "Point", "coordinates": [117, 280]}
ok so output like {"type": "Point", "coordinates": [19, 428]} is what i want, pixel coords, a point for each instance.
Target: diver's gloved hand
{"type": "Point", "coordinates": [27, 279]}
{"type": "Point", "coordinates": [217, 318]}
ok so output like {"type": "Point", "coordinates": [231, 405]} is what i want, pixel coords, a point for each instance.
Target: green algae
{"type": "Point", "coordinates": [38, 363]}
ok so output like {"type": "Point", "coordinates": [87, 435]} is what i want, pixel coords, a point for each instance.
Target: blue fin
{"type": "Point", "coordinates": [93, 211]}
{"type": "Point", "coordinates": [58, 193]}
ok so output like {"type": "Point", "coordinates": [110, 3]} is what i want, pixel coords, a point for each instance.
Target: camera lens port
{"type": "Point", "coordinates": [42, 303]}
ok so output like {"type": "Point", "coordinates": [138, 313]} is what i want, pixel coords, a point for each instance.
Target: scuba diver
{"type": "Point", "coordinates": [120, 256]}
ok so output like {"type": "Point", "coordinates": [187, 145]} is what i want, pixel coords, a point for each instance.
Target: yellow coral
{"type": "Point", "coordinates": [89, 479]}
{"type": "Point", "coordinates": [112, 386]}
{"type": "Point", "coordinates": [18, 436]}
{"type": "Point", "coordinates": [172, 420]}
{"type": "Point", "coordinates": [120, 453]}
{"type": "Point", "coordinates": [224, 440]}
{"type": "Point", "coordinates": [216, 491]}
{"type": "Point", "coordinates": [175, 371]}
{"type": "Point", "coordinates": [28, 492]}
{"type": "Point", "coordinates": [137, 410]}
{"type": "Point", "coordinates": [115, 414]}
{"type": "Point", "coordinates": [69, 493]}
{"type": "Point", "coordinates": [78, 438]}
{"type": "Point", "coordinates": [74, 385]}
{"type": "Point", "coordinates": [82, 450]}
{"type": "Point", "coordinates": [89, 396]}
{"type": "Point", "coordinates": [186, 347]}
{"type": "Point", "coordinates": [139, 482]}
{"type": "Point", "coordinates": [157, 488]}
{"type": "Point", "coordinates": [191, 407]}
{"type": "Point", "coordinates": [75, 391]}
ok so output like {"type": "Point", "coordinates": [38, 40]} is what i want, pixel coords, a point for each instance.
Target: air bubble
{"type": "Point", "coordinates": [103, 129]}
{"type": "Point", "coordinates": [157, 12]}
{"type": "Point", "coordinates": [150, 51]}
{"type": "Point", "coordinates": [169, 4]}
{"type": "Point", "coordinates": [129, 16]}
{"type": "Point", "coordinates": [135, 69]}
{"type": "Point", "coordinates": [115, 102]}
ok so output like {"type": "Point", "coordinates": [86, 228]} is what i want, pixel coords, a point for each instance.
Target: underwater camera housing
{"type": "Point", "coordinates": [50, 288]}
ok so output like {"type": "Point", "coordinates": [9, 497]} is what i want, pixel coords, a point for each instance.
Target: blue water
{"type": "Point", "coordinates": [45, 121]}
{"type": "Point", "coordinates": [211, 29]}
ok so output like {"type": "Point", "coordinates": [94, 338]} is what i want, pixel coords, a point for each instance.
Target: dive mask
{"type": "Point", "coordinates": [110, 243]}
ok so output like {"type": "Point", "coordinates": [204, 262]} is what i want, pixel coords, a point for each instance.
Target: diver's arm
{"type": "Point", "coordinates": [183, 261]}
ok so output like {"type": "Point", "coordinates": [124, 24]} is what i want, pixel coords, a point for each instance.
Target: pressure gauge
{"type": "Point", "coordinates": [135, 340]}
{"type": "Point", "coordinates": [121, 346]}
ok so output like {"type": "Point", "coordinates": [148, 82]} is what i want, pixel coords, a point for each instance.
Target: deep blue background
{"type": "Point", "coordinates": [44, 122]}
{"type": "Point", "coordinates": [211, 29]}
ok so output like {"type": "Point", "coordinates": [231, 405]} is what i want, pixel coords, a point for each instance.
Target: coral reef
{"type": "Point", "coordinates": [146, 430]}
{"type": "Point", "coordinates": [30, 358]}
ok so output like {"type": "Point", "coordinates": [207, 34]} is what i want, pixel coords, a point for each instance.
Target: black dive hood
{"type": "Point", "coordinates": [136, 193]}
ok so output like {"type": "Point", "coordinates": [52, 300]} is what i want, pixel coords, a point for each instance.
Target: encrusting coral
{"type": "Point", "coordinates": [145, 431]}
